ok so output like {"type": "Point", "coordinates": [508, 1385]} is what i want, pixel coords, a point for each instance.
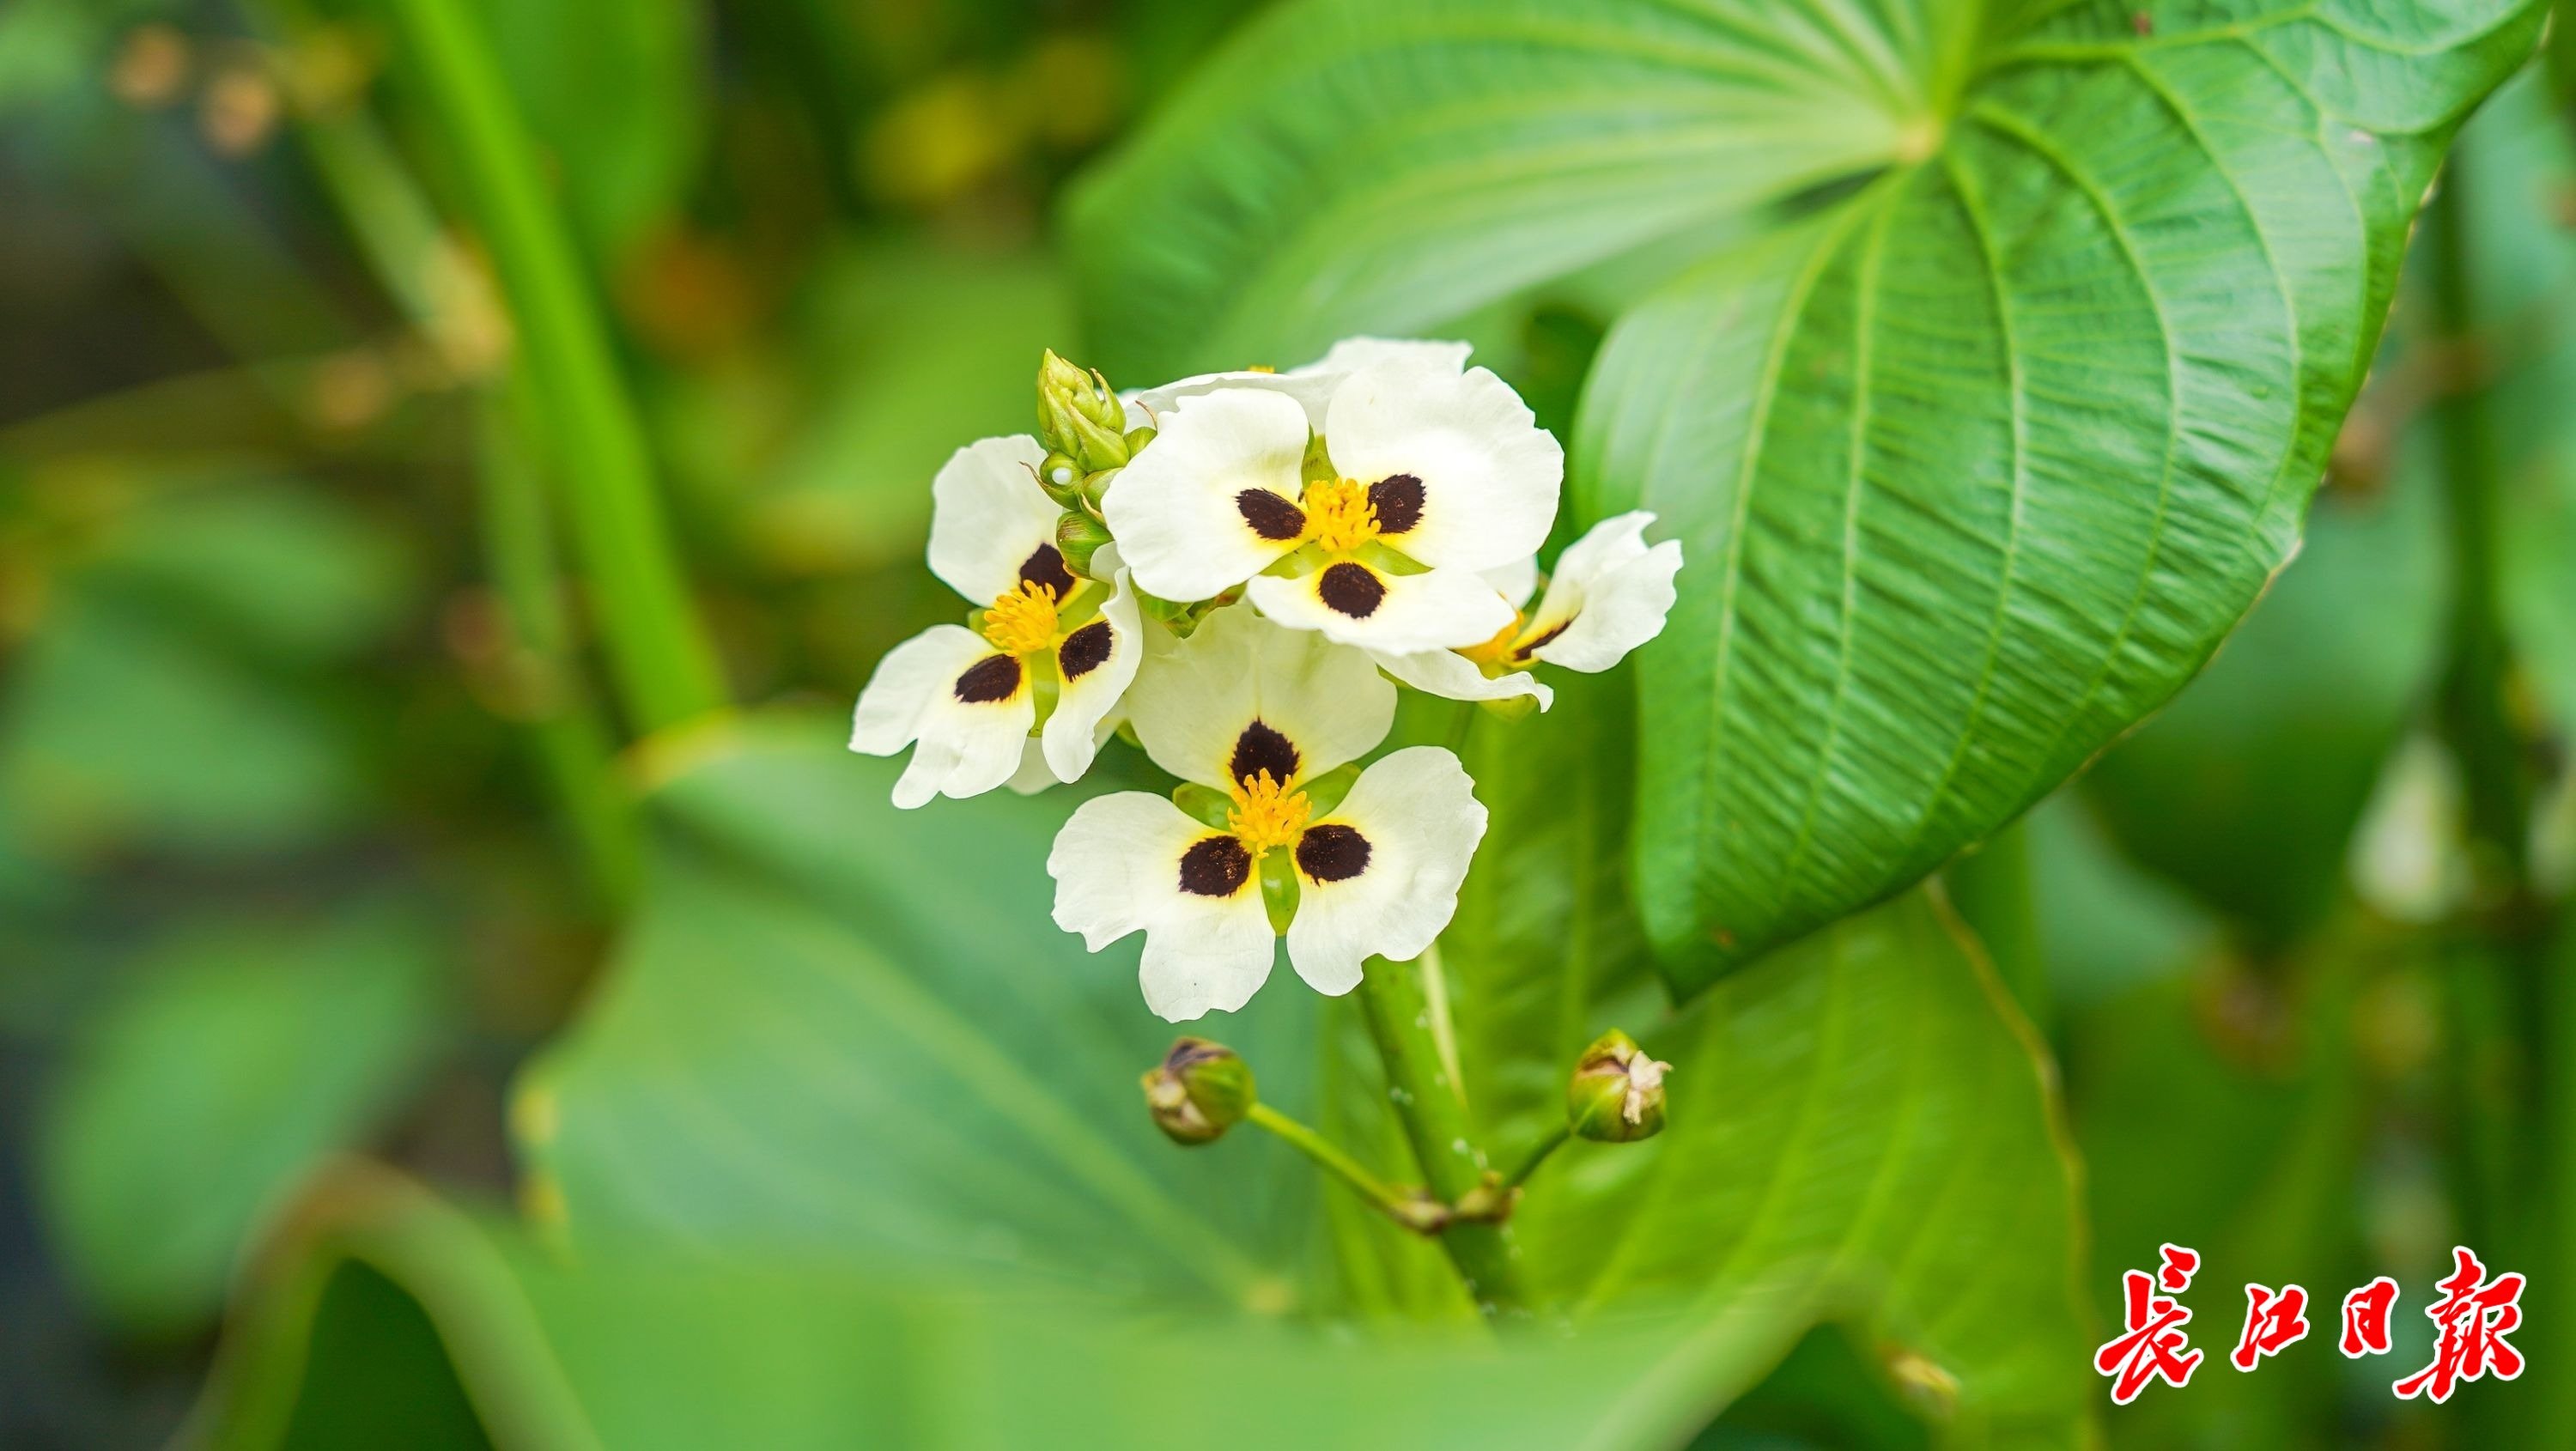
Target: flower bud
{"type": "Point", "coordinates": [1078, 536]}
{"type": "Point", "coordinates": [1137, 438]}
{"type": "Point", "coordinates": [1617, 1092]}
{"type": "Point", "coordinates": [1095, 489]}
{"type": "Point", "coordinates": [1079, 416]}
{"type": "Point", "coordinates": [1198, 1091]}
{"type": "Point", "coordinates": [1061, 477]}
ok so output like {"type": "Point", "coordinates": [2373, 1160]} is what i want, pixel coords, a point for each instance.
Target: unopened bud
{"type": "Point", "coordinates": [1095, 488]}
{"type": "Point", "coordinates": [1137, 438]}
{"type": "Point", "coordinates": [1061, 477]}
{"type": "Point", "coordinates": [1078, 536]}
{"type": "Point", "coordinates": [1617, 1093]}
{"type": "Point", "coordinates": [1079, 416]}
{"type": "Point", "coordinates": [1198, 1091]}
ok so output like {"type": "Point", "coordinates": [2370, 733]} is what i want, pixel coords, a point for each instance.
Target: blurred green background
{"type": "Point", "coordinates": [309, 828]}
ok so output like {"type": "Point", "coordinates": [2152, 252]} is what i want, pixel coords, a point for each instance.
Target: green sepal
{"type": "Point", "coordinates": [1078, 537]}
{"type": "Point", "coordinates": [1203, 804]}
{"type": "Point", "coordinates": [1279, 890]}
{"type": "Point", "coordinates": [1327, 790]}
{"type": "Point", "coordinates": [1198, 1091]}
{"type": "Point", "coordinates": [1317, 466]}
{"type": "Point", "coordinates": [1060, 474]}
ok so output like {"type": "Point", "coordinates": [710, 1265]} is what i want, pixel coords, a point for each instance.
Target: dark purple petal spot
{"type": "Point", "coordinates": [1332, 852]}
{"type": "Point", "coordinates": [993, 678]}
{"type": "Point", "coordinates": [1262, 748]}
{"type": "Point", "coordinates": [1215, 866]}
{"type": "Point", "coordinates": [1046, 567]}
{"type": "Point", "coordinates": [1352, 589]}
{"type": "Point", "coordinates": [1397, 500]}
{"type": "Point", "coordinates": [1271, 517]}
{"type": "Point", "coordinates": [1085, 650]}
{"type": "Point", "coordinates": [1532, 648]}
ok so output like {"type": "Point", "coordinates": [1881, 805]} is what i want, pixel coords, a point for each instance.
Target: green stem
{"type": "Point", "coordinates": [658, 651]}
{"type": "Point", "coordinates": [1419, 1215]}
{"type": "Point", "coordinates": [398, 232]}
{"type": "Point", "coordinates": [1397, 1004]}
{"type": "Point", "coordinates": [2500, 997]}
{"type": "Point", "coordinates": [1553, 1142]}
{"type": "Point", "coordinates": [573, 744]}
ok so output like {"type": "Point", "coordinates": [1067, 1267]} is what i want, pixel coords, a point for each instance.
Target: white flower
{"type": "Point", "coordinates": [1610, 594]}
{"type": "Point", "coordinates": [967, 699]}
{"type": "Point", "coordinates": [1433, 474]}
{"type": "Point", "coordinates": [1259, 717]}
{"type": "Point", "coordinates": [1311, 385]}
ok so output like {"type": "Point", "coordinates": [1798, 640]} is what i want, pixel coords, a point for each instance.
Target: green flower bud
{"type": "Point", "coordinates": [1079, 416]}
{"type": "Point", "coordinates": [1137, 438]}
{"type": "Point", "coordinates": [1095, 489]}
{"type": "Point", "coordinates": [1061, 477]}
{"type": "Point", "coordinates": [1078, 536]}
{"type": "Point", "coordinates": [1198, 1091]}
{"type": "Point", "coordinates": [1616, 1095]}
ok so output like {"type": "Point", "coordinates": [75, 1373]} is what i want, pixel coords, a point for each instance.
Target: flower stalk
{"type": "Point", "coordinates": [1397, 1004]}
{"type": "Point", "coordinates": [1416, 1212]}
{"type": "Point", "coordinates": [658, 651]}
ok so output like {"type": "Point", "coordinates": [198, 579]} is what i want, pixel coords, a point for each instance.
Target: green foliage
{"type": "Point", "coordinates": [1980, 438]}
{"type": "Point", "coordinates": [235, 1057]}
{"type": "Point", "coordinates": [842, 1026]}
{"type": "Point", "coordinates": [614, 92]}
{"type": "Point", "coordinates": [172, 696]}
{"type": "Point", "coordinates": [2246, 789]}
{"type": "Point", "coordinates": [1984, 357]}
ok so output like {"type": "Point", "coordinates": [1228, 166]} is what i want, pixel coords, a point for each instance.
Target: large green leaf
{"type": "Point", "coordinates": [391, 1319]}
{"type": "Point", "coordinates": [1862, 1129]}
{"type": "Point", "coordinates": [1979, 439]}
{"type": "Point", "coordinates": [847, 1027]}
{"type": "Point", "coordinates": [848, 1033]}
{"type": "Point", "coordinates": [234, 1058]}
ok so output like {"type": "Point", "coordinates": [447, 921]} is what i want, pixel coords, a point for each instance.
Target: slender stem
{"type": "Point", "coordinates": [1553, 1142]}
{"type": "Point", "coordinates": [1413, 1213]}
{"type": "Point", "coordinates": [658, 651]}
{"type": "Point", "coordinates": [1397, 1005]}
{"type": "Point", "coordinates": [398, 233]}
{"type": "Point", "coordinates": [2496, 968]}
{"type": "Point", "coordinates": [573, 744]}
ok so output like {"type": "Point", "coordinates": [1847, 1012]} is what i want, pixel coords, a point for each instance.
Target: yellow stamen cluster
{"type": "Point", "coordinates": [1266, 814]}
{"type": "Point", "coordinates": [1339, 515]}
{"type": "Point", "coordinates": [1022, 622]}
{"type": "Point", "coordinates": [1495, 650]}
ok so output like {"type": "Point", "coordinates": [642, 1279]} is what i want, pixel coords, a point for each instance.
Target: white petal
{"type": "Point", "coordinates": [1515, 581]}
{"type": "Point", "coordinates": [1418, 813]}
{"type": "Point", "coordinates": [1116, 866]}
{"type": "Point", "coordinates": [988, 515]}
{"type": "Point", "coordinates": [1034, 774]}
{"type": "Point", "coordinates": [1194, 698]}
{"type": "Point", "coordinates": [1311, 385]}
{"type": "Point", "coordinates": [1490, 475]}
{"type": "Point", "coordinates": [1174, 509]}
{"type": "Point", "coordinates": [1453, 676]}
{"type": "Point", "coordinates": [1609, 595]}
{"type": "Point", "coordinates": [963, 748]}
{"type": "Point", "coordinates": [1441, 610]}
{"type": "Point", "coordinates": [1352, 354]}
{"type": "Point", "coordinates": [1086, 702]}
{"type": "Point", "coordinates": [1309, 391]}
